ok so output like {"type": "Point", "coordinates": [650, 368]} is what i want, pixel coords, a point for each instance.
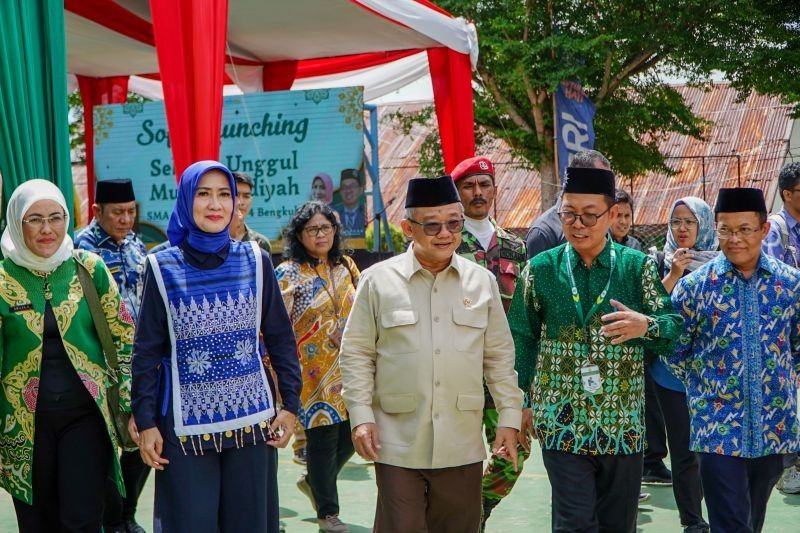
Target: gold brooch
{"type": "Point", "coordinates": [467, 302]}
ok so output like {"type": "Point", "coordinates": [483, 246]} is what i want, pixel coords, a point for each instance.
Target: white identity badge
{"type": "Point", "coordinates": [590, 377]}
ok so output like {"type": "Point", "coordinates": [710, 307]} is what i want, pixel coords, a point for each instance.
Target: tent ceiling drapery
{"type": "Point", "coordinates": [261, 33]}
{"type": "Point", "coordinates": [380, 44]}
{"type": "Point", "coordinates": [284, 30]}
{"type": "Point", "coordinates": [97, 51]}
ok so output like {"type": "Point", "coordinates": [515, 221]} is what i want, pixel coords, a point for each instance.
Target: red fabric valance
{"type": "Point", "coordinates": [190, 38]}
{"type": "Point", "coordinates": [279, 75]}
{"type": "Point", "coordinates": [326, 66]}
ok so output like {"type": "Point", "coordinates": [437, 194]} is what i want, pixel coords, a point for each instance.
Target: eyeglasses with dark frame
{"type": "Point", "coordinates": [587, 219]}
{"type": "Point", "coordinates": [324, 229]}
{"type": "Point", "coordinates": [431, 229]}
{"type": "Point", "coordinates": [745, 233]}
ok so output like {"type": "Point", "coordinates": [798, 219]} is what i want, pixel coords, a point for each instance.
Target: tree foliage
{"type": "Point", "coordinates": [621, 51]}
{"type": "Point", "coordinates": [77, 141]}
{"type": "Point", "coordinates": [399, 241]}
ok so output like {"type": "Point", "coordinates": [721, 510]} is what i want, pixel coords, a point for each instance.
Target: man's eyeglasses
{"type": "Point", "coordinates": [314, 231]}
{"type": "Point", "coordinates": [432, 229]}
{"type": "Point", "coordinates": [35, 221]}
{"type": "Point", "coordinates": [724, 233]}
{"type": "Point", "coordinates": [587, 219]}
{"type": "Point", "coordinates": [676, 223]}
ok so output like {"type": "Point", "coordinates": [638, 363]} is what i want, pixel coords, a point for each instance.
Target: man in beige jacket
{"type": "Point", "coordinates": [425, 328]}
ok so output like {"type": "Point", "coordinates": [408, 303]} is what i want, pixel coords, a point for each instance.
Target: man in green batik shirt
{"type": "Point", "coordinates": [581, 317]}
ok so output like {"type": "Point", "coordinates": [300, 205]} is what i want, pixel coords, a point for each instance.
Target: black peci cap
{"type": "Point", "coordinates": [590, 181]}
{"type": "Point", "coordinates": [117, 191]}
{"type": "Point", "coordinates": [431, 192]}
{"type": "Point", "coordinates": [740, 199]}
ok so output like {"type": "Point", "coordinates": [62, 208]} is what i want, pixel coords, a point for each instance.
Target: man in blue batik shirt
{"type": "Point", "coordinates": [739, 357]}
{"type": "Point", "coordinates": [110, 235]}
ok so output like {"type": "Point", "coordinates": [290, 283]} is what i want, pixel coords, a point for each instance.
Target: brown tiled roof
{"type": "Point", "coordinates": [757, 128]}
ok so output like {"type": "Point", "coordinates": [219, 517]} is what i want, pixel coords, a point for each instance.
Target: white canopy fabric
{"type": "Point", "coordinates": [272, 30]}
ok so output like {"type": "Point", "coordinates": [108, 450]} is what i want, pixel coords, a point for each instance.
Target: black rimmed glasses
{"type": "Point", "coordinates": [314, 231]}
{"type": "Point", "coordinates": [432, 229]}
{"type": "Point", "coordinates": [587, 219]}
{"type": "Point", "coordinates": [726, 233]}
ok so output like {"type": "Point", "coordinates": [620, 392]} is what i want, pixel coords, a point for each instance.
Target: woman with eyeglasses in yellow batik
{"type": "Point", "coordinates": [318, 283]}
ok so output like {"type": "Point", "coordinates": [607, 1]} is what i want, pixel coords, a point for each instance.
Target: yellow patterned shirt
{"type": "Point", "coordinates": [318, 301]}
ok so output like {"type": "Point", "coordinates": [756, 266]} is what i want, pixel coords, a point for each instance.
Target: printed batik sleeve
{"type": "Point", "coordinates": [656, 303]}
{"type": "Point", "coordinates": [773, 243]}
{"type": "Point", "coordinates": [2, 342]}
{"type": "Point", "coordinates": [795, 337]}
{"type": "Point", "coordinates": [682, 300]}
{"type": "Point", "coordinates": [287, 280]}
{"type": "Point", "coordinates": [526, 330]}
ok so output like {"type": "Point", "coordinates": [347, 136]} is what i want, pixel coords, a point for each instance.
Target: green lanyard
{"type": "Point", "coordinates": [576, 298]}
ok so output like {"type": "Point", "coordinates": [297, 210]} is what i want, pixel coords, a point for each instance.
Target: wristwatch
{"type": "Point", "coordinates": [652, 328]}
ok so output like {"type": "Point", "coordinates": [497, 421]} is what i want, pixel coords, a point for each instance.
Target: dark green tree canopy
{"type": "Point", "coordinates": [622, 51]}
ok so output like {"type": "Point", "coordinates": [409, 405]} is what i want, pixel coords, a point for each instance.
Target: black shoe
{"type": "Point", "coordinates": [132, 527]}
{"type": "Point", "coordinates": [657, 475]}
{"type": "Point", "coordinates": [114, 529]}
{"type": "Point", "coordinates": [701, 527]}
{"type": "Point", "coordinates": [300, 456]}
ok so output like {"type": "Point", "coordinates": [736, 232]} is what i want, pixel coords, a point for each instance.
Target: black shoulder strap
{"type": "Point", "coordinates": [98, 316]}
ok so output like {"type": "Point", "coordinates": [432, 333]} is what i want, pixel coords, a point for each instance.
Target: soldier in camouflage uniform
{"type": "Point", "coordinates": [504, 254]}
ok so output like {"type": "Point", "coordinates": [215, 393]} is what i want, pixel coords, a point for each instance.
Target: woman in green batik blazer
{"type": "Point", "coordinates": [57, 439]}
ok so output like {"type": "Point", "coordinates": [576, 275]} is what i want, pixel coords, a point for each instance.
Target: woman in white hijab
{"type": "Point", "coordinates": [58, 441]}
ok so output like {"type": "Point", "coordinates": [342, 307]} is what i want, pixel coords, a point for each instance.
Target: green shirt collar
{"type": "Point", "coordinates": [604, 259]}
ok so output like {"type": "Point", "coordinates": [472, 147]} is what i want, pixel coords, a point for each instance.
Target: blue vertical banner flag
{"type": "Point", "coordinates": [574, 122]}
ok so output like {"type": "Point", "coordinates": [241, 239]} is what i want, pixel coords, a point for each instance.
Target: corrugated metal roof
{"type": "Point", "coordinates": [757, 129]}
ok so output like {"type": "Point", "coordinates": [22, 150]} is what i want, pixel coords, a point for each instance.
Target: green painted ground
{"type": "Point", "coordinates": [526, 509]}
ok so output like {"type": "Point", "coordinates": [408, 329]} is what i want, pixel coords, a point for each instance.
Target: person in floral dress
{"type": "Point", "coordinates": [318, 283]}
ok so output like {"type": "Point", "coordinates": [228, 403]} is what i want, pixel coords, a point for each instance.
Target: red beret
{"type": "Point", "coordinates": [471, 167]}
